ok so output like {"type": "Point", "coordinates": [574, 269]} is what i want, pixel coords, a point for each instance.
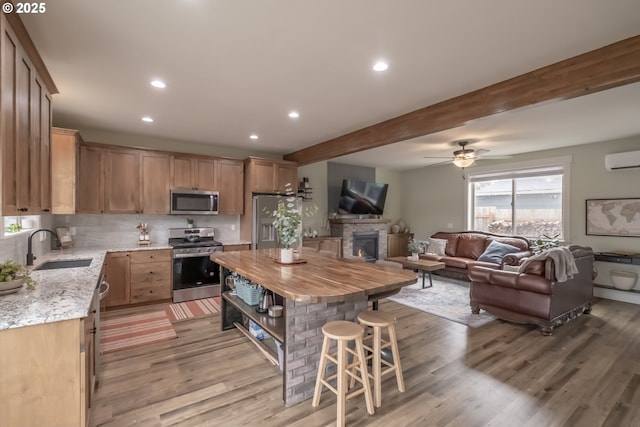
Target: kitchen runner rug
{"type": "Point", "coordinates": [193, 309]}
{"type": "Point", "coordinates": [134, 330]}
{"type": "Point", "coordinates": [448, 298]}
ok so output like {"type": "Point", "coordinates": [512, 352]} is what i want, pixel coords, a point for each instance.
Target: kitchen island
{"type": "Point", "coordinates": [315, 292]}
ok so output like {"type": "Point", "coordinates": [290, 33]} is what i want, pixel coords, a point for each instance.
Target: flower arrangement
{"type": "Point", "coordinates": [287, 217]}
{"type": "Point", "coordinates": [414, 246]}
{"type": "Point", "coordinates": [9, 271]}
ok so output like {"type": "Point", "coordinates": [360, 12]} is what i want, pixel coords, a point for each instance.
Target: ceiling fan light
{"type": "Point", "coordinates": [463, 162]}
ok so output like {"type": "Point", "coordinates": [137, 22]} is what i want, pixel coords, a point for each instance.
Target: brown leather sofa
{"type": "Point", "coordinates": [465, 247]}
{"type": "Point", "coordinates": [534, 296]}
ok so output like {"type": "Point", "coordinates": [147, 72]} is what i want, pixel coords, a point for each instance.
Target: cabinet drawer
{"type": "Point", "coordinates": [150, 291]}
{"type": "Point", "coordinates": [150, 272]}
{"type": "Point", "coordinates": [151, 256]}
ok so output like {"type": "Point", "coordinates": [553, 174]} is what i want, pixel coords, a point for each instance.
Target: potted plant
{"type": "Point", "coordinates": [190, 222]}
{"type": "Point", "coordinates": [415, 248]}
{"type": "Point", "coordinates": [287, 220]}
{"type": "Point", "coordinates": [13, 275]}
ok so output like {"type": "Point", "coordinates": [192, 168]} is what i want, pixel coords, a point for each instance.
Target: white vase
{"type": "Point", "coordinates": [286, 255]}
{"type": "Point", "coordinates": [414, 256]}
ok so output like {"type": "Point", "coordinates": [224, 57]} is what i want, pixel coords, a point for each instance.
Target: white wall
{"type": "Point", "coordinates": [317, 174]}
{"type": "Point", "coordinates": [433, 198]}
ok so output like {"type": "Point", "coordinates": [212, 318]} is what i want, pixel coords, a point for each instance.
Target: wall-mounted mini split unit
{"type": "Point", "coordinates": [617, 161]}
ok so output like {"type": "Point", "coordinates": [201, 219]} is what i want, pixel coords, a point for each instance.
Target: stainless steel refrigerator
{"type": "Point", "coordinates": [263, 234]}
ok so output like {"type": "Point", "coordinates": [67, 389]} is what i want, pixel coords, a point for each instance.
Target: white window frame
{"type": "Point", "coordinates": [9, 219]}
{"type": "Point", "coordinates": [512, 170]}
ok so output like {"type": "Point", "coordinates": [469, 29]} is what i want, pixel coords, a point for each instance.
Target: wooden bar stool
{"type": "Point", "coordinates": [378, 320]}
{"type": "Point", "coordinates": [342, 332]}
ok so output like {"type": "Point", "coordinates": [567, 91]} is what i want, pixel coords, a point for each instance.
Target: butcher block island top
{"type": "Point", "coordinates": [320, 279]}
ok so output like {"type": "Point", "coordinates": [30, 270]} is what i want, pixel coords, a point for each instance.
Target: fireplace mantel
{"type": "Point", "coordinates": [359, 221]}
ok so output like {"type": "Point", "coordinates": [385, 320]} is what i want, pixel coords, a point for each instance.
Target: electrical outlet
{"type": "Point", "coordinates": [449, 226]}
{"type": "Point", "coordinates": [72, 231]}
{"type": "Point", "coordinates": [233, 227]}
{"type": "Point", "coordinates": [43, 236]}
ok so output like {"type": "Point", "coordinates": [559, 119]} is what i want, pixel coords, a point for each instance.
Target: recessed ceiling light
{"type": "Point", "coordinates": [147, 119]}
{"type": "Point", "coordinates": [253, 136]}
{"type": "Point", "coordinates": [294, 114]}
{"type": "Point", "coordinates": [158, 83]}
{"type": "Point", "coordinates": [380, 66]}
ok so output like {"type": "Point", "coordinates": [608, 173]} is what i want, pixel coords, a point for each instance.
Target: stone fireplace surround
{"type": "Point", "coordinates": [345, 227]}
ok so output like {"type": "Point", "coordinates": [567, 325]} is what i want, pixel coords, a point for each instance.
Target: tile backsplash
{"type": "Point", "coordinates": [120, 230]}
{"type": "Point", "coordinates": [14, 247]}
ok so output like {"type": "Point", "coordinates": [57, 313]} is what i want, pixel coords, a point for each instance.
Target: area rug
{"type": "Point", "coordinates": [134, 330]}
{"type": "Point", "coordinates": [448, 298]}
{"type": "Point", "coordinates": [193, 309]}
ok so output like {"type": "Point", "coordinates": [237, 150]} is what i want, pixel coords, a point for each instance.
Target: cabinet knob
{"type": "Point", "coordinates": [151, 272]}
{"type": "Point", "coordinates": [46, 210]}
{"type": "Point", "coordinates": [93, 330]}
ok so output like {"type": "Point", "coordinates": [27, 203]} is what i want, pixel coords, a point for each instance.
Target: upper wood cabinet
{"type": "Point", "coordinates": [25, 126]}
{"type": "Point", "coordinates": [91, 180]}
{"type": "Point", "coordinates": [270, 176]}
{"type": "Point", "coordinates": [196, 173]}
{"type": "Point", "coordinates": [156, 182]}
{"type": "Point", "coordinates": [230, 184]}
{"type": "Point", "coordinates": [122, 183]}
{"type": "Point", "coordinates": [65, 145]}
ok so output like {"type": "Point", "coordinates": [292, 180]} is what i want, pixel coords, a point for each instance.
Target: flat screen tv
{"type": "Point", "coordinates": [362, 197]}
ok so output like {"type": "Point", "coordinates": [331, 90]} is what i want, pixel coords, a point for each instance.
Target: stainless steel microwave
{"type": "Point", "coordinates": [194, 202]}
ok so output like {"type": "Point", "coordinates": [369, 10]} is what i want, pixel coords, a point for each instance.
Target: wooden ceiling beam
{"type": "Point", "coordinates": [611, 66]}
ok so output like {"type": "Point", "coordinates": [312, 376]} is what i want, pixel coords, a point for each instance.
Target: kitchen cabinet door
{"type": "Point", "coordinates": [261, 176]}
{"type": "Point", "coordinates": [122, 181]}
{"type": "Point", "coordinates": [183, 173]}
{"type": "Point", "coordinates": [45, 152]}
{"type": "Point", "coordinates": [286, 174]}
{"type": "Point", "coordinates": [117, 269]}
{"type": "Point", "coordinates": [155, 182]}
{"type": "Point", "coordinates": [90, 184]}
{"type": "Point", "coordinates": [230, 184]}
{"type": "Point", "coordinates": [23, 134]}
{"type": "Point", "coordinates": [8, 58]}
{"type": "Point", "coordinates": [205, 174]}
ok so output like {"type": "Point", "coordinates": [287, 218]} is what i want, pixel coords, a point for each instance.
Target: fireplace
{"type": "Point", "coordinates": [365, 244]}
{"type": "Point", "coordinates": [347, 228]}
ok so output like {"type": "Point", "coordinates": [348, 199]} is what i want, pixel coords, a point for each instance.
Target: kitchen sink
{"type": "Point", "coordinates": [69, 263]}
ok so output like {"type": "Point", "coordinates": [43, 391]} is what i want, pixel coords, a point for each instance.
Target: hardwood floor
{"type": "Point", "coordinates": [502, 374]}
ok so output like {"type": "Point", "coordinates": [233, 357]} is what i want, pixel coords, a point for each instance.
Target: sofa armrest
{"type": "Point", "coordinates": [516, 257]}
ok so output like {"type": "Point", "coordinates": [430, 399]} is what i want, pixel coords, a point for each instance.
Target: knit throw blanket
{"type": "Point", "coordinates": [563, 261]}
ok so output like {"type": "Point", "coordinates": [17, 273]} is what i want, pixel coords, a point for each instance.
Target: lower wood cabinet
{"type": "Point", "coordinates": [397, 244]}
{"type": "Point", "coordinates": [138, 277]}
{"type": "Point", "coordinates": [240, 247]}
{"type": "Point", "coordinates": [150, 276]}
{"type": "Point", "coordinates": [329, 244]}
{"type": "Point", "coordinates": [46, 366]}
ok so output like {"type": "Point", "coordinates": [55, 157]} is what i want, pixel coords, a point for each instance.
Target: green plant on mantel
{"type": "Point", "coordinates": [9, 271]}
{"type": "Point", "coordinates": [287, 217]}
{"type": "Point", "coordinates": [544, 242]}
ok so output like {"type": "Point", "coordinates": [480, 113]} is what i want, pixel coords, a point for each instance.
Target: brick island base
{"type": "Point", "coordinates": [303, 342]}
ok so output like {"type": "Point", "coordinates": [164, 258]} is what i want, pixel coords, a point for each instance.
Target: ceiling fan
{"type": "Point", "coordinates": [465, 157]}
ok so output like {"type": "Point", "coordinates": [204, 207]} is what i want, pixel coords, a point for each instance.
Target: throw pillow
{"type": "Point", "coordinates": [511, 268]}
{"type": "Point", "coordinates": [437, 246]}
{"type": "Point", "coordinates": [496, 251]}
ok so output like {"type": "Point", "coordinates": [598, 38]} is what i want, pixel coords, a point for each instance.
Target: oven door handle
{"type": "Point", "coordinates": [194, 255]}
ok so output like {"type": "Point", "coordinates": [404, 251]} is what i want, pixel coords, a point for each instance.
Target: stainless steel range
{"type": "Point", "coordinates": [195, 276]}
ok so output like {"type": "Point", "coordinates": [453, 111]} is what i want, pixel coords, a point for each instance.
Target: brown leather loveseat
{"type": "Point", "coordinates": [535, 295]}
{"type": "Point", "coordinates": [463, 249]}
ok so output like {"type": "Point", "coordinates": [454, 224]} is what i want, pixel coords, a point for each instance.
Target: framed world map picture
{"type": "Point", "coordinates": [613, 217]}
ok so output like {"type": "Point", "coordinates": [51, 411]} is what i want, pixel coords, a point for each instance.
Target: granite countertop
{"type": "Point", "coordinates": [60, 294]}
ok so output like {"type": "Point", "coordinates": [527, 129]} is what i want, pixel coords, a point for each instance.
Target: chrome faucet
{"type": "Point", "coordinates": [30, 256]}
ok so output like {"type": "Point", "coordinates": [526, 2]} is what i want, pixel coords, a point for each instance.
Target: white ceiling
{"type": "Point", "coordinates": [234, 68]}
